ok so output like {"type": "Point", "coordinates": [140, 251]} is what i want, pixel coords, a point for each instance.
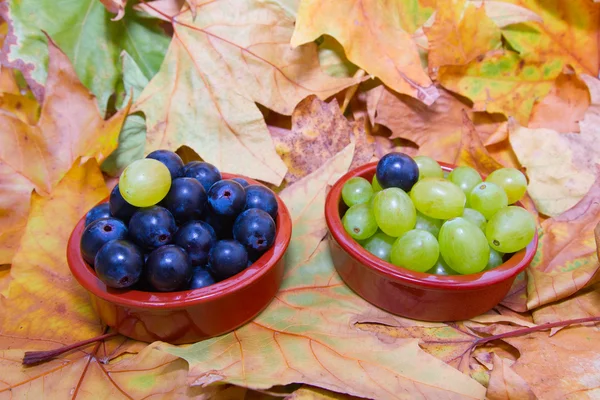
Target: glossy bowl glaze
{"type": "Point", "coordinates": [191, 315]}
{"type": "Point", "coordinates": [408, 293]}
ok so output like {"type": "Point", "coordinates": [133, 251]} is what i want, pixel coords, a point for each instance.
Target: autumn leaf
{"type": "Point", "coordinates": [568, 33]}
{"type": "Point", "coordinates": [333, 60]}
{"type": "Point", "coordinates": [563, 108]}
{"type": "Point", "coordinates": [305, 335]}
{"type": "Point", "coordinates": [49, 148]}
{"type": "Point", "coordinates": [560, 366]}
{"type": "Point", "coordinates": [132, 138]}
{"type": "Point", "coordinates": [83, 30]}
{"type": "Point", "coordinates": [115, 7]}
{"type": "Point", "coordinates": [566, 260]}
{"type": "Point", "coordinates": [248, 62]}
{"type": "Point", "coordinates": [319, 131]}
{"type": "Point", "coordinates": [460, 33]}
{"type": "Point", "coordinates": [502, 82]}
{"type": "Point", "coordinates": [507, 384]}
{"type": "Point", "coordinates": [376, 37]}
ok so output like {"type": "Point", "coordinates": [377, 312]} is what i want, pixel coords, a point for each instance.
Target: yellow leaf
{"type": "Point", "coordinates": [376, 36]}
{"type": "Point", "coordinates": [458, 35]}
{"type": "Point", "coordinates": [501, 82]}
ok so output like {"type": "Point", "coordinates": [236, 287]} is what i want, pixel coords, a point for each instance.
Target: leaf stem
{"type": "Point", "coordinates": [525, 331]}
{"type": "Point", "coordinates": [36, 357]}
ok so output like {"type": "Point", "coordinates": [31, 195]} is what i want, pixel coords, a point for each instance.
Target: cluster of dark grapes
{"type": "Point", "coordinates": [170, 227]}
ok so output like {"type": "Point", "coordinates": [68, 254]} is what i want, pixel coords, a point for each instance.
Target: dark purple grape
{"type": "Point", "coordinates": [186, 199]}
{"type": "Point", "coordinates": [170, 159]}
{"type": "Point", "coordinates": [97, 234]}
{"type": "Point", "coordinates": [206, 173]}
{"type": "Point", "coordinates": [119, 264]}
{"type": "Point", "coordinates": [196, 238]}
{"type": "Point", "coordinates": [98, 212]}
{"type": "Point", "coordinates": [255, 230]}
{"type": "Point", "coordinates": [152, 227]}
{"type": "Point", "coordinates": [226, 259]}
{"type": "Point", "coordinates": [168, 268]}
{"type": "Point", "coordinates": [119, 208]}
{"type": "Point", "coordinates": [227, 198]}
{"type": "Point", "coordinates": [397, 170]}
{"type": "Point", "coordinates": [258, 196]}
{"type": "Point", "coordinates": [201, 278]}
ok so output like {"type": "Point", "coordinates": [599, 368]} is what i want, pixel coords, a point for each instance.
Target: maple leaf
{"type": "Point", "coordinates": [376, 37]}
{"type": "Point", "coordinates": [305, 335]}
{"type": "Point", "coordinates": [505, 383]}
{"type": "Point", "coordinates": [83, 31]}
{"type": "Point", "coordinates": [45, 307]}
{"type": "Point", "coordinates": [566, 260]}
{"type": "Point", "coordinates": [561, 167]}
{"type": "Point", "coordinates": [47, 150]}
{"type": "Point", "coordinates": [238, 57]}
{"type": "Point", "coordinates": [460, 33]}
{"type": "Point", "coordinates": [502, 82]}
{"type": "Point", "coordinates": [319, 131]}
{"type": "Point", "coordinates": [568, 32]}
{"type": "Point", "coordinates": [564, 107]}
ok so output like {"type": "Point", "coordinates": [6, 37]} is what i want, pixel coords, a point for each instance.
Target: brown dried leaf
{"type": "Point", "coordinates": [505, 384]}
{"type": "Point", "coordinates": [319, 131]}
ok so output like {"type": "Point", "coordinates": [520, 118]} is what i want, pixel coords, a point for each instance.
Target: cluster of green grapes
{"type": "Point", "coordinates": [447, 224]}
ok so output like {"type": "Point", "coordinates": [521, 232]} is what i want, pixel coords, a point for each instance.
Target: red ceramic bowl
{"type": "Point", "coordinates": [408, 293]}
{"type": "Point", "coordinates": [192, 315]}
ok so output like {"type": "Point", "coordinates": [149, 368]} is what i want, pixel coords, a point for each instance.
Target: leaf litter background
{"type": "Point", "coordinates": [295, 93]}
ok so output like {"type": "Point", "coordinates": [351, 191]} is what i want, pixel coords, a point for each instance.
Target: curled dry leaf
{"type": "Point", "coordinates": [505, 384]}
{"type": "Point", "coordinates": [115, 7]}
{"type": "Point", "coordinates": [460, 33]}
{"type": "Point", "coordinates": [376, 37]}
{"type": "Point", "coordinates": [567, 258]}
{"type": "Point", "coordinates": [563, 108]}
{"type": "Point", "coordinates": [305, 334]}
{"type": "Point", "coordinates": [567, 32]}
{"type": "Point", "coordinates": [502, 82]}
{"type": "Point", "coordinates": [504, 14]}
{"type": "Point", "coordinates": [48, 149]}
{"type": "Point", "coordinates": [319, 131]}
{"type": "Point", "coordinates": [238, 54]}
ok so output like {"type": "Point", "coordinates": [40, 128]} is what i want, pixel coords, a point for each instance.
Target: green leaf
{"type": "Point", "coordinates": [133, 134]}
{"type": "Point", "coordinates": [84, 31]}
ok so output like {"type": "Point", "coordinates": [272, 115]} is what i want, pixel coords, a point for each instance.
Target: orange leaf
{"type": "Point", "coordinates": [47, 150]}
{"type": "Point", "coordinates": [46, 308]}
{"type": "Point", "coordinates": [566, 260]}
{"type": "Point", "coordinates": [23, 107]}
{"type": "Point", "coordinates": [563, 107]}
{"type": "Point", "coordinates": [506, 384]}
{"type": "Point", "coordinates": [374, 36]}
{"type": "Point", "coordinates": [319, 131]}
{"type": "Point", "coordinates": [472, 152]}
{"type": "Point", "coordinates": [560, 366]}
{"type": "Point", "coordinates": [460, 33]}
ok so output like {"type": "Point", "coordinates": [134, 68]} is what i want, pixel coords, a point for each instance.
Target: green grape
{"type": "Point", "coordinates": [379, 245]}
{"type": "Point", "coordinates": [356, 190]}
{"type": "Point", "coordinates": [359, 222]}
{"type": "Point", "coordinates": [438, 198]}
{"type": "Point", "coordinates": [394, 212]}
{"type": "Point", "coordinates": [475, 217]}
{"type": "Point", "coordinates": [145, 182]}
{"type": "Point", "coordinates": [494, 260]}
{"type": "Point", "coordinates": [488, 198]}
{"type": "Point", "coordinates": [416, 250]}
{"type": "Point", "coordinates": [428, 167]}
{"type": "Point", "coordinates": [463, 246]}
{"type": "Point", "coordinates": [510, 229]}
{"type": "Point", "coordinates": [441, 268]}
{"type": "Point", "coordinates": [465, 178]}
{"type": "Point", "coordinates": [428, 224]}
{"type": "Point", "coordinates": [375, 183]}
{"type": "Point", "coordinates": [511, 180]}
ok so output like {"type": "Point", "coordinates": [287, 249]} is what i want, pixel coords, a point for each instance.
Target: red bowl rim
{"type": "Point", "coordinates": [513, 266]}
{"type": "Point", "coordinates": [182, 299]}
